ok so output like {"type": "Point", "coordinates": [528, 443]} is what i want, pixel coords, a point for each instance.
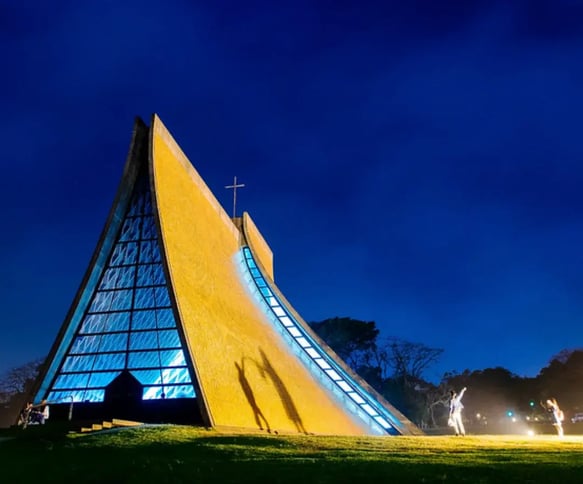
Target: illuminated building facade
{"type": "Point", "coordinates": [178, 319]}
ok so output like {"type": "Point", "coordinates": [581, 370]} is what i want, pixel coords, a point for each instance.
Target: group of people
{"type": "Point", "coordinates": [34, 414]}
{"type": "Point", "coordinates": [456, 406]}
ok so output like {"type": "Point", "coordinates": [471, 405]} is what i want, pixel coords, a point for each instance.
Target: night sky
{"type": "Point", "coordinates": [414, 163]}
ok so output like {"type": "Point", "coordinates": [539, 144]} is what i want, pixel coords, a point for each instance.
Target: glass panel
{"type": "Point", "coordinates": [148, 228]}
{"type": "Point", "coordinates": [145, 298]}
{"type": "Point", "coordinates": [75, 380]}
{"type": "Point", "coordinates": [121, 300]}
{"type": "Point", "coordinates": [169, 339]}
{"type": "Point", "coordinates": [162, 297]}
{"type": "Point", "coordinates": [114, 342]}
{"type": "Point", "coordinates": [102, 379]}
{"type": "Point", "coordinates": [111, 361]}
{"type": "Point", "coordinates": [118, 277]}
{"type": "Point", "coordinates": [143, 359]}
{"type": "Point", "coordinates": [152, 393]}
{"type": "Point", "coordinates": [335, 376]}
{"type": "Point", "coordinates": [130, 229]}
{"type": "Point", "coordinates": [144, 320]}
{"type": "Point", "coordinates": [144, 340]}
{"type": "Point", "coordinates": [137, 205]}
{"type": "Point", "coordinates": [148, 377]}
{"type": "Point", "coordinates": [165, 318]}
{"type": "Point", "coordinates": [171, 358]}
{"type": "Point", "coordinates": [118, 321]}
{"type": "Point", "coordinates": [78, 363]}
{"type": "Point", "coordinates": [147, 251]}
{"type": "Point", "coordinates": [180, 391]}
{"type": "Point", "coordinates": [93, 323]}
{"type": "Point", "coordinates": [368, 409]}
{"type": "Point", "coordinates": [286, 321]}
{"type": "Point", "coordinates": [101, 302]}
{"type": "Point", "coordinates": [279, 311]}
{"type": "Point", "coordinates": [304, 343]}
{"type": "Point", "coordinates": [86, 344]}
{"type": "Point", "coordinates": [345, 386]}
{"type": "Point", "coordinates": [312, 352]}
{"type": "Point", "coordinates": [175, 375]}
{"type": "Point", "coordinates": [356, 397]}
{"type": "Point", "coordinates": [93, 395]}
{"type": "Point", "coordinates": [66, 396]}
{"type": "Point", "coordinates": [150, 275]}
{"type": "Point", "coordinates": [124, 254]}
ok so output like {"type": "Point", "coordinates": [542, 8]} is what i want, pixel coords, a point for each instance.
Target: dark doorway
{"type": "Point", "coordinates": [123, 397]}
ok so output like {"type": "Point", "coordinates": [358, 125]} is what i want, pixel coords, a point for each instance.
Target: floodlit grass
{"type": "Point", "coordinates": [188, 454]}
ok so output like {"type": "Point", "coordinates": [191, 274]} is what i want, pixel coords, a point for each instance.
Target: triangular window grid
{"type": "Point", "coordinates": [129, 322]}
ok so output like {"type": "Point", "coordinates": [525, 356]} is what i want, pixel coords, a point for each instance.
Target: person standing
{"type": "Point", "coordinates": [455, 411]}
{"type": "Point", "coordinates": [558, 415]}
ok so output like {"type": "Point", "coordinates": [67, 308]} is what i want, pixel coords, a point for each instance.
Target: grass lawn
{"type": "Point", "coordinates": [187, 454]}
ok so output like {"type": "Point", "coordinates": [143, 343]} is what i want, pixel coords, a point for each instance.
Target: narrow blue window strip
{"type": "Point", "coordinates": [342, 380]}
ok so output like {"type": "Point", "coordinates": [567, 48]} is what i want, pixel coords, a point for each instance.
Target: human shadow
{"type": "Point", "coordinates": [292, 412]}
{"type": "Point", "coordinates": [260, 419]}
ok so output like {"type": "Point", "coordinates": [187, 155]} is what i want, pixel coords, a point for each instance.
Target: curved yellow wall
{"type": "Point", "coordinates": [248, 376]}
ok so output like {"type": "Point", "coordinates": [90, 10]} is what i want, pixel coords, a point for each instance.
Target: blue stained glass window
{"type": "Point", "coordinates": [98, 379]}
{"type": "Point", "coordinates": [86, 344]}
{"type": "Point", "coordinates": [118, 321]}
{"type": "Point", "coordinates": [145, 298]}
{"type": "Point", "coordinates": [129, 323]}
{"type": "Point", "coordinates": [93, 323]}
{"type": "Point", "coordinates": [148, 228]}
{"type": "Point", "coordinates": [143, 359]}
{"type": "Point", "coordinates": [153, 393]}
{"type": "Point", "coordinates": [124, 254]}
{"type": "Point", "coordinates": [171, 358]}
{"type": "Point", "coordinates": [162, 296]}
{"type": "Point", "coordinates": [110, 361]}
{"type": "Point", "coordinates": [179, 391]}
{"type": "Point", "coordinates": [144, 319]}
{"type": "Point", "coordinates": [175, 375]}
{"type": "Point", "coordinates": [78, 363]}
{"type": "Point", "coordinates": [169, 339]}
{"type": "Point", "coordinates": [73, 380]}
{"type": "Point", "coordinates": [118, 277]}
{"type": "Point", "coordinates": [121, 300]}
{"type": "Point", "coordinates": [130, 229]}
{"type": "Point", "coordinates": [148, 377]}
{"type": "Point", "coordinates": [150, 274]}
{"type": "Point", "coordinates": [165, 318]}
{"type": "Point", "coordinates": [144, 340]}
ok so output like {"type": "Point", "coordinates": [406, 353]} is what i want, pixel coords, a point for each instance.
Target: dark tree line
{"type": "Point", "coordinates": [395, 369]}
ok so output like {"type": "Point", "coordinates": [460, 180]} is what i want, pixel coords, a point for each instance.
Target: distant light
{"type": "Point", "coordinates": [514, 419]}
{"type": "Point", "coordinates": [478, 416]}
{"type": "Point", "coordinates": [527, 417]}
{"type": "Point", "coordinates": [531, 403]}
{"type": "Point", "coordinates": [530, 433]}
{"type": "Point", "coordinates": [510, 413]}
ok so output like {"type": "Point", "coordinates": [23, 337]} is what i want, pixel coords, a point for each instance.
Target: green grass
{"type": "Point", "coordinates": [194, 455]}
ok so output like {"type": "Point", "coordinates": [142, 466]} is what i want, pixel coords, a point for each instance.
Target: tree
{"type": "Point", "coordinates": [406, 360]}
{"type": "Point", "coordinates": [19, 380]}
{"type": "Point", "coordinates": [348, 337]}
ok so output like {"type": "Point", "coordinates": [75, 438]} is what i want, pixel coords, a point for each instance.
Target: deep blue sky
{"type": "Point", "coordinates": [418, 163]}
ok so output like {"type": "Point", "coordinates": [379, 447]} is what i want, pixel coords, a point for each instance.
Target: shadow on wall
{"type": "Point", "coordinates": [260, 419]}
{"type": "Point", "coordinates": [290, 408]}
{"type": "Point", "coordinates": [266, 370]}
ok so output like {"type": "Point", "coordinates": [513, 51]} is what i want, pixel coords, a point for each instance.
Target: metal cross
{"type": "Point", "coordinates": [234, 186]}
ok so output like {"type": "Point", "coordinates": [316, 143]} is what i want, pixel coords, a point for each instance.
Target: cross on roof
{"type": "Point", "coordinates": [234, 186]}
